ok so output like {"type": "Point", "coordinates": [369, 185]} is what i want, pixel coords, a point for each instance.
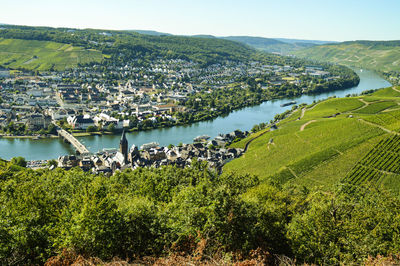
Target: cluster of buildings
{"type": "Point", "coordinates": [214, 152]}
{"type": "Point", "coordinates": [128, 95]}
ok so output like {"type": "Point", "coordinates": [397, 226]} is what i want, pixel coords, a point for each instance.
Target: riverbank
{"type": "Point", "coordinates": [50, 136]}
{"type": "Point", "coordinates": [243, 119]}
{"type": "Point", "coordinates": [200, 116]}
{"type": "Point", "coordinates": [5, 136]}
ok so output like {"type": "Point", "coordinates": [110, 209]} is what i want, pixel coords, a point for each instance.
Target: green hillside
{"type": "Point", "coordinates": [325, 143]}
{"type": "Point", "coordinates": [322, 189]}
{"type": "Point", "coordinates": [118, 46]}
{"type": "Point", "coordinates": [381, 56]}
{"type": "Point", "coordinates": [43, 55]}
{"type": "Point", "coordinates": [271, 45]}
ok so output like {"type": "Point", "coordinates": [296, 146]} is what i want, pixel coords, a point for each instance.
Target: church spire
{"type": "Point", "coordinates": [123, 146]}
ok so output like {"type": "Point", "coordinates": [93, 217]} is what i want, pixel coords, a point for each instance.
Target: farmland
{"type": "Point", "coordinates": [330, 148]}
{"type": "Point", "coordinates": [44, 55]}
{"type": "Point", "coordinates": [380, 163]}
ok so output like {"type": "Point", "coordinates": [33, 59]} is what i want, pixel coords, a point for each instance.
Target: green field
{"type": "Point", "coordinates": [43, 55]}
{"type": "Point", "coordinates": [359, 54]}
{"type": "Point", "coordinates": [319, 150]}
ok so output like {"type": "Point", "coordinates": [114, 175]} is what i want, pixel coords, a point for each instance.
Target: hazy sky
{"type": "Point", "coordinates": [337, 20]}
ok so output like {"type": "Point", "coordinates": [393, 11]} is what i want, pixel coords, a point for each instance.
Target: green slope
{"type": "Point", "coordinates": [319, 151]}
{"type": "Point", "coordinates": [382, 56]}
{"type": "Point", "coordinates": [271, 45]}
{"type": "Point", "coordinates": [43, 55]}
{"type": "Point", "coordinates": [119, 46]}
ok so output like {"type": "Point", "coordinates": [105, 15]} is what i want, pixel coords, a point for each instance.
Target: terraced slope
{"type": "Point", "coordinates": [381, 56]}
{"type": "Point", "coordinates": [325, 143]}
{"type": "Point", "coordinates": [380, 164]}
{"type": "Point", "coordinates": [44, 55]}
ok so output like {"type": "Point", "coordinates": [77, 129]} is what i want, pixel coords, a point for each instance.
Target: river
{"type": "Point", "coordinates": [242, 119]}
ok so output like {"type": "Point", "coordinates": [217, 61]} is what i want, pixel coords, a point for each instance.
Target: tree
{"type": "Point", "coordinates": [91, 129]}
{"type": "Point", "coordinates": [51, 129]}
{"type": "Point", "coordinates": [52, 163]}
{"type": "Point", "coordinates": [111, 128]}
{"type": "Point", "coordinates": [20, 161]}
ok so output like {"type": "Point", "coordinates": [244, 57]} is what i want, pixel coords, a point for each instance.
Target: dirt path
{"type": "Point", "coordinates": [379, 126]}
{"type": "Point", "coordinates": [365, 105]}
{"type": "Point", "coordinates": [303, 111]}
{"type": "Point", "coordinates": [394, 88]}
{"type": "Point", "coordinates": [364, 102]}
{"type": "Point", "coordinates": [29, 61]}
{"type": "Point", "coordinates": [293, 173]}
{"type": "Point", "coordinates": [314, 106]}
{"type": "Point", "coordinates": [306, 124]}
{"type": "Point", "coordinates": [246, 146]}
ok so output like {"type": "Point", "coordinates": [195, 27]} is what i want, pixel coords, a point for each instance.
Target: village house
{"type": "Point", "coordinates": [38, 121]}
{"type": "Point", "coordinates": [103, 120]}
{"type": "Point", "coordinates": [58, 114]}
{"type": "Point", "coordinates": [80, 122]}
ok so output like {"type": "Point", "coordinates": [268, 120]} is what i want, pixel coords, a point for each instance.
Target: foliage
{"type": "Point", "coordinates": [111, 128]}
{"type": "Point", "coordinates": [342, 228]}
{"type": "Point", "coordinates": [91, 129]}
{"type": "Point", "coordinates": [20, 161]}
{"type": "Point", "coordinates": [191, 211]}
{"type": "Point", "coordinates": [121, 46]}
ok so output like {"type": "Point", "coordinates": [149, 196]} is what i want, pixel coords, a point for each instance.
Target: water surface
{"type": "Point", "coordinates": [242, 119]}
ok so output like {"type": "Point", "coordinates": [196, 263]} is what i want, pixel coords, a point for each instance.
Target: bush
{"type": "Point", "coordinates": [20, 161]}
{"type": "Point", "coordinates": [91, 129]}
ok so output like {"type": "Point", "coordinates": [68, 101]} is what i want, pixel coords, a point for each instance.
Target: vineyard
{"type": "Point", "coordinates": [377, 107]}
{"type": "Point", "coordinates": [390, 120]}
{"type": "Point", "coordinates": [343, 143]}
{"type": "Point", "coordinates": [380, 162]}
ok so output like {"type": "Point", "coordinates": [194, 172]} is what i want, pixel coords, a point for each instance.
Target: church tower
{"type": "Point", "coordinates": [123, 146]}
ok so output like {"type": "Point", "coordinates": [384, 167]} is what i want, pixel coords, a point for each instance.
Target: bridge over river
{"type": "Point", "coordinates": [80, 148]}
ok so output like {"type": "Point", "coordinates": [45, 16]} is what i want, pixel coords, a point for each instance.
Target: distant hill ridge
{"type": "Point", "coordinates": [271, 45]}
{"type": "Point", "coordinates": [20, 47]}
{"type": "Point", "coordinates": [375, 55]}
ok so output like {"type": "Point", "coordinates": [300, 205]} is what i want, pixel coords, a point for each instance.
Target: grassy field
{"type": "Point", "coordinates": [43, 55]}
{"type": "Point", "coordinates": [383, 58]}
{"type": "Point", "coordinates": [320, 149]}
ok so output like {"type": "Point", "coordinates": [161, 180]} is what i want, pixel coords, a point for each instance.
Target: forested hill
{"type": "Point", "coordinates": [44, 48]}
{"type": "Point", "coordinates": [122, 45]}
{"type": "Point", "coordinates": [375, 55]}
{"type": "Point", "coordinates": [283, 46]}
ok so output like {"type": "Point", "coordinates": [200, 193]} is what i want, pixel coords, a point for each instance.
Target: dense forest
{"type": "Point", "coordinates": [192, 211]}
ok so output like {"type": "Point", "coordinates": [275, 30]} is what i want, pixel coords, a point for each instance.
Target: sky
{"type": "Point", "coordinates": [329, 20]}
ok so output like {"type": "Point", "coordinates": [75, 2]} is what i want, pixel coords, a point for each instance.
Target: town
{"type": "Point", "coordinates": [215, 152]}
{"type": "Point", "coordinates": [134, 97]}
